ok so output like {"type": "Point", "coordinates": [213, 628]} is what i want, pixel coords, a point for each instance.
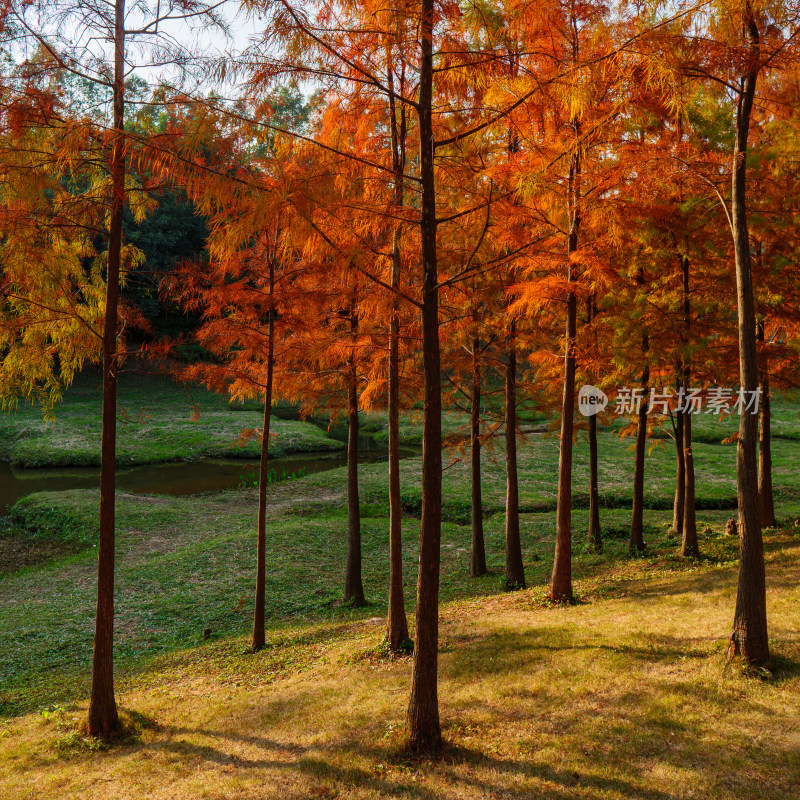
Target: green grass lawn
{"type": "Point", "coordinates": [624, 695]}
{"type": "Point", "coordinates": [158, 420]}
{"type": "Point", "coordinates": [186, 564]}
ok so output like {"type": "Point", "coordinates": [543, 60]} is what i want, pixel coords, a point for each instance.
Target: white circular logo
{"type": "Point", "coordinates": [591, 400]}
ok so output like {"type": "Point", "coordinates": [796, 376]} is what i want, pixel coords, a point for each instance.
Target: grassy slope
{"type": "Point", "coordinates": [625, 695]}
{"type": "Point", "coordinates": [186, 564]}
{"type": "Point", "coordinates": [156, 424]}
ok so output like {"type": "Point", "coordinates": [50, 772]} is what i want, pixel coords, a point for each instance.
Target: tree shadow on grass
{"type": "Point", "coordinates": [500, 652]}
{"type": "Point", "coordinates": [614, 737]}
{"type": "Point", "coordinates": [678, 582]}
{"type": "Point", "coordinates": [556, 782]}
{"type": "Point", "coordinates": [392, 774]}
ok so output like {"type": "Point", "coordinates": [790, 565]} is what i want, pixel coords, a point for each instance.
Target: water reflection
{"type": "Point", "coordinates": [191, 477]}
{"type": "Point", "coordinates": [174, 478]}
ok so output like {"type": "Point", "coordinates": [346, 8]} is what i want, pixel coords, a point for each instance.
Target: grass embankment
{"type": "Point", "coordinates": [624, 695]}
{"type": "Point", "coordinates": [158, 421]}
{"type": "Point", "coordinates": [715, 463]}
{"type": "Point", "coordinates": [186, 564]}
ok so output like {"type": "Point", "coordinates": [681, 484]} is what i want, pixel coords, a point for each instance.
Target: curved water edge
{"type": "Point", "coordinates": [189, 477]}
{"type": "Point", "coordinates": [171, 478]}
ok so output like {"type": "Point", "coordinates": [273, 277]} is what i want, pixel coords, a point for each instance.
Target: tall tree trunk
{"type": "Point", "coordinates": [515, 572]}
{"type": "Point", "coordinates": [689, 545]}
{"type": "Point", "coordinates": [595, 541]}
{"type": "Point", "coordinates": [595, 533]}
{"type": "Point", "coordinates": [749, 636]}
{"type": "Point", "coordinates": [766, 501]}
{"type": "Point", "coordinates": [261, 554]}
{"type": "Point", "coordinates": [680, 474]}
{"type": "Point", "coordinates": [765, 493]}
{"type": "Point", "coordinates": [353, 587]}
{"type": "Point", "coordinates": [103, 717]}
{"type": "Point", "coordinates": [561, 579]}
{"type": "Point", "coordinates": [636, 542]}
{"type": "Point", "coordinates": [397, 624]}
{"type": "Point", "coordinates": [477, 561]}
{"type": "Point", "coordinates": [422, 723]}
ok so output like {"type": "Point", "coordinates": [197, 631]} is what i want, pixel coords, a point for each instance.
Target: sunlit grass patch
{"type": "Point", "coordinates": [158, 420]}
{"type": "Point", "coordinates": [617, 697]}
{"type": "Point", "coordinates": [626, 694]}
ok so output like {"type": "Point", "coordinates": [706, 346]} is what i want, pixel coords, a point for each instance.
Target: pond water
{"type": "Point", "coordinates": [183, 477]}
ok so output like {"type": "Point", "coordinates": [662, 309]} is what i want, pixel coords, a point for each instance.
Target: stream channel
{"type": "Point", "coordinates": [188, 477]}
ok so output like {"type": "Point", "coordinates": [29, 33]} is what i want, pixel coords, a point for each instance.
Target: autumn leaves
{"type": "Point", "coordinates": [482, 204]}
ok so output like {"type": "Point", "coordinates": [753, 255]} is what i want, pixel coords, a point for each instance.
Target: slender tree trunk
{"type": "Point", "coordinates": [636, 542]}
{"type": "Point", "coordinates": [689, 545]}
{"type": "Point", "coordinates": [422, 723]}
{"type": "Point", "coordinates": [749, 636]}
{"type": "Point", "coordinates": [397, 624]}
{"type": "Point", "coordinates": [766, 501]}
{"type": "Point", "coordinates": [595, 533]}
{"type": "Point", "coordinates": [595, 542]}
{"type": "Point", "coordinates": [103, 718]}
{"type": "Point", "coordinates": [353, 587]}
{"type": "Point", "coordinates": [477, 562]}
{"type": "Point", "coordinates": [561, 579]}
{"type": "Point", "coordinates": [397, 632]}
{"type": "Point", "coordinates": [765, 493]}
{"type": "Point", "coordinates": [515, 572]}
{"type": "Point", "coordinates": [680, 474]}
{"type": "Point", "coordinates": [261, 555]}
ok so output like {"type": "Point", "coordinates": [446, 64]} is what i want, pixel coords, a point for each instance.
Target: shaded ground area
{"type": "Point", "coordinates": [17, 553]}
{"type": "Point", "coordinates": [623, 696]}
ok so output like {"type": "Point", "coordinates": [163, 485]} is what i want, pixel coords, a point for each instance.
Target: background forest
{"type": "Point", "coordinates": [392, 258]}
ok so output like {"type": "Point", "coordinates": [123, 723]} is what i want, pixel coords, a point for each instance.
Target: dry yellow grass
{"type": "Point", "coordinates": [624, 696]}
